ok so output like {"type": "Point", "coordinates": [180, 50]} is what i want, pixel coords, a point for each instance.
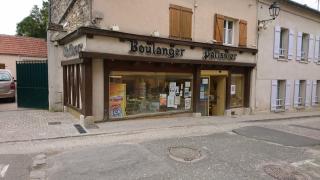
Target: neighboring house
{"type": "Point", "coordinates": [288, 75]}
{"type": "Point", "coordinates": [135, 58]}
{"type": "Point", "coordinates": [18, 48]}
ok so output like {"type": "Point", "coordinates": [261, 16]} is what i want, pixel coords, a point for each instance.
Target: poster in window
{"type": "Point", "coordinates": [170, 102]}
{"type": "Point", "coordinates": [117, 100]}
{"type": "Point", "coordinates": [187, 84]}
{"type": "Point", "coordinates": [187, 103]}
{"type": "Point", "coordinates": [163, 99]}
{"type": "Point", "coordinates": [177, 100]}
{"type": "Point", "coordinates": [172, 88]}
{"type": "Point", "coordinates": [233, 89]}
{"type": "Point", "coordinates": [187, 93]}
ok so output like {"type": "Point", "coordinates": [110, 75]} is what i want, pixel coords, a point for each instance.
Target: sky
{"type": "Point", "coordinates": [13, 11]}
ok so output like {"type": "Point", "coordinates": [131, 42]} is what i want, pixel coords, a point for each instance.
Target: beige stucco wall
{"type": "Point", "coordinates": [97, 89]}
{"type": "Point", "coordinates": [269, 68]}
{"type": "Point", "coordinates": [145, 16]}
{"type": "Point", "coordinates": [10, 62]}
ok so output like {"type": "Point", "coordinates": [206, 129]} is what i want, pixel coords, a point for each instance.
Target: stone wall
{"type": "Point", "coordinates": [78, 15]}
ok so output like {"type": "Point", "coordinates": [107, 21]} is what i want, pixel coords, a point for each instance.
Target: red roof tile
{"type": "Point", "coordinates": [23, 46]}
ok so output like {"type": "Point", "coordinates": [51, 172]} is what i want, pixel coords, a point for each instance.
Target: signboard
{"type": "Point", "coordinates": [71, 50]}
{"type": "Point", "coordinates": [214, 54]}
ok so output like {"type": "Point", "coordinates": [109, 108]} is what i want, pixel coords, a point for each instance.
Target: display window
{"type": "Point", "coordinates": [237, 90]}
{"type": "Point", "coordinates": [143, 93]}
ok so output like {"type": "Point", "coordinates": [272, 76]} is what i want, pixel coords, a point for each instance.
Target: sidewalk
{"type": "Point", "coordinates": [30, 125]}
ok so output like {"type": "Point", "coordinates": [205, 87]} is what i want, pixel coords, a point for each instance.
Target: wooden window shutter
{"type": "Point", "coordinates": [243, 33]}
{"type": "Point", "coordinates": [219, 28]}
{"type": "Point", "coordinates": [180, 22]}
{"type": "Point", "coordinates": [175, 13]}
{"type": "Point", "coordinates": [186, 24]}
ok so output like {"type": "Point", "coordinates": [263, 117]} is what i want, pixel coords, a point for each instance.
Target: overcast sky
{"type": "Point", "coordinates": [13, 11]}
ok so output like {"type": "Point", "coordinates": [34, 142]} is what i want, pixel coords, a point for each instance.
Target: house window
{"type": "Point", "coordinates": [180, 22]}
{"type": "Point", "coordinates": [317, 98]}
{"type": "Point", "coordinates": [228, 32]}
{"type": "Point", "coordinates": [237, 90]}
{"type": "Point", "coordinates": [302, 93]}
{"type": "Point", "coordinates": [305, 47]}
{"type": "Point", "coordinates": [281, 94]}
{"type": "Point", "coordinates": [284, 43]}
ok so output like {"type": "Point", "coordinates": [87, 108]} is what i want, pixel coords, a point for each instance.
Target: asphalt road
{"type": "Point", "coordinates": [15, 167]}
{"type": "Point", "coordinates": [223, 156]}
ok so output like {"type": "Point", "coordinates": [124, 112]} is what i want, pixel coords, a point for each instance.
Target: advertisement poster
{"type": "Point", "coordinates": [117, 100]}
{"type": "Point", "coordinates": [187, 103]}
{"type": "Point", "coordinates": [170, 102]}
{"type": "Point", "coordinates": [233, 89]}
{"type": "Point", "coordinates": [163, 99]}
{"type": "Point", "coordinates": [188, 83]}
{"type": "Point", "coordinates": [177, 100]}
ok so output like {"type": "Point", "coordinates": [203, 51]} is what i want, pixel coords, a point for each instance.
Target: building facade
{"type": "Point", "coordinates": [158, 58]}
{"type": "Point", "coordinates": [288, 70]}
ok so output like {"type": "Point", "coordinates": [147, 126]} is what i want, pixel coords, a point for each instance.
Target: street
{"type": "Point", "coordinates": [284, 149]}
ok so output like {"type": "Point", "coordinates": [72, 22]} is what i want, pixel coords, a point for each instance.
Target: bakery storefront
{"type": "Point", "coordinates": [125, 76]}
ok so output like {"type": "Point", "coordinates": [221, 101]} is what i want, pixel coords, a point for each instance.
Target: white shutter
{"type": "Point", "coordinates": [274, 94]}
{"type": "Point", "coordinates": [314, 92]}
{"type": "Point", "coordinates": [308, 94]}
{"type": "Point", "coordinates": [311, 48]}
{"type": "Point", "coordinates": [288, 95]}
{"type": "Point", "coordinates": [277, 34]}
{"type": "Point", "coordinates": [316, 50]}
{"type": "Point", "coordinates": [291, 44]}
{"type": "Point", "coordinates": [299, 46]}
{"type": "Point", "coordinates": [296, 93]}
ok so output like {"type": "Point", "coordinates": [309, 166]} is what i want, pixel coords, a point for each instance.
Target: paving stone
{"type": "Point", "coordinates": [37, 174]}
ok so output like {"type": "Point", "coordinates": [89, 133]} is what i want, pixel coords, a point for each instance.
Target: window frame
{"type": "Point", "coordinates": [226, 29]}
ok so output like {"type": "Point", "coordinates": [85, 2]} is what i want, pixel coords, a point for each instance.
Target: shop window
{"type": "Point", "coordinates": [284, 40]}
{"type": "Point", "coordinates": [180, 22]}
{"type": "Point", "coordinates": [142, 93]}
{"type": "Point", "coordinates": [237, 90]}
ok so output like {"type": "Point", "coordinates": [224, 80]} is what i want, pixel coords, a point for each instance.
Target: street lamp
{"type": "Point", "coordinates": [274, 11]}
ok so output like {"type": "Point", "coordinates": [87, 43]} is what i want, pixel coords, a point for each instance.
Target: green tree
{"type": "Point", "coordinates": [35, 25]}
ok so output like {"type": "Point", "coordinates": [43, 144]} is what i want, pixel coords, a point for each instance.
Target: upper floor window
{"type": "Point", "coordinates": [305, 47]}
{"type": "Point", "coordinates": [228, 32]}
{"type": "Point", "coordinates": [180, 22]}
{"type": "Point", "coordinates": [283, 43]}
{"type": "Point", "coordinates": [225, 28]}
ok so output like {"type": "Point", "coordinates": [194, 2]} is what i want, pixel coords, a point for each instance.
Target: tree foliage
{"type": "Point", "coordinates": [35, 25]}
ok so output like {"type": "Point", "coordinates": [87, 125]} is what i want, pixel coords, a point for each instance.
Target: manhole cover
{"type": "Point", "coordinates": [185, 154]}
{"type": "Point", "coordinates": [284, 173]}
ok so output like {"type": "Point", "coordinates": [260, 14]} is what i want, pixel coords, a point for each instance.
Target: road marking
{"type": "Point", "coordinates": [3, 169]}
{"type": "Point", "coordinates": [308, 161]}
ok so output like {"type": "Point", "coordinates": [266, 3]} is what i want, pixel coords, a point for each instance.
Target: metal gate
{"type": "Point", "coordinates": [32, 84]}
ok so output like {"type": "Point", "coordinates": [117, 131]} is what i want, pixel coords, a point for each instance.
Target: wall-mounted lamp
{"type": "Point", "coordinates": [274, 11]}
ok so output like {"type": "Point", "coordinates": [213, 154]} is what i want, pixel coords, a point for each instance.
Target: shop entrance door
{"type": "Point", "coordinates": [213, 93]}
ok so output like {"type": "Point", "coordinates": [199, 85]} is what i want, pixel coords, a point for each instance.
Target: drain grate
{"type": "Point", "coordinates": [80, 129]}
{"type": "Point", "coordinates": [54, 123]}
{"type": "Point", "coordinates": [284, 173]}
{"type": "Point", "coordinates": [184, 154]}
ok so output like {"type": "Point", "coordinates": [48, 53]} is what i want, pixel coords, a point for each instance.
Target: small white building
{"type": "Point", "coordinates": [288, 67]}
